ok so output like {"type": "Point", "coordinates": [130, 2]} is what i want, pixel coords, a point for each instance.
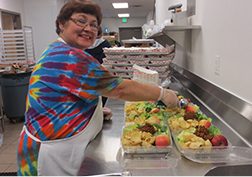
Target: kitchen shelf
{"type": "Point", "coordinates": [175, 34]}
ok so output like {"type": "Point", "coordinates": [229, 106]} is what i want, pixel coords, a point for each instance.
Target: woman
{"type": "Point", "coordinates": [96, 50]}
{"type": "Point", "coordinates": [115, 34]}
{"type": "Point", "coordinates": [63, 110]}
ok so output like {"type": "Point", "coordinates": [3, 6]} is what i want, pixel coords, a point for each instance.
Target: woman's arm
{"type": "Point", "coordinates": [129, 90]}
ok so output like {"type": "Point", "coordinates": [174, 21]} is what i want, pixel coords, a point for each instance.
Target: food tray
{"type": "Point", "coordinates": [164, 62]}
{"type": "Point", "coordinates": [134, 56]}
{"type": "Point", "coordinates": [121, 174]}
{"type": "Point", "coordinates": [147, 161]}
{"type": "Point", "coordinates": [230, 154]}
{"type": "Point", "coordinates": [145, 150]}
{"type": "Point", "coordinates": [114, 56]}
{"type": "Point", "coordinates": [139, 61]}
{"type": "Point", "coordinates": [129, 64]}
{"type": "Point", "coordinates": [120, 70]}
{"type": "Point", "coordinates": [125, 76]}
{"type": "Point", "coordinates": [213, 154]}
{"type": "Point", "coordinates": [137, 53]}
{"type": "Point", "coordinates": [137, 40]}
{"type": "Point", "coordinates": [1, 139]}
{"type": "Point", "coordinates": [169, 56]}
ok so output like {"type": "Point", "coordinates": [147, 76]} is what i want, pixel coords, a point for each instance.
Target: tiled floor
{"type": "Point", "coordinates": [8, 150]}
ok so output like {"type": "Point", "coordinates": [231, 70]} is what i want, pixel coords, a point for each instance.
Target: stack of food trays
{"type": "Point", "coordinates": [119, 60]}
{"type": "Point", "coordinates": [200, 141]}
{"type": "Point", "coordinates": [146, 140]}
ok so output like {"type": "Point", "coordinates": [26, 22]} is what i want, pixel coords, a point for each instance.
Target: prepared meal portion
{"type": "Point", "coordinates": [142, 112]}
{"type": "Point", "coordinates": [146, 129]}
{"type": "Point", "coordinates": [195, 136]}
{"type": "Point", "coordinates": [146, 138]}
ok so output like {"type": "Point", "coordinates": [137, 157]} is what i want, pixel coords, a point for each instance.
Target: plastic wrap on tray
{"type": "Point", "coordinates": [147, 161]}
{"type": "Point", "coordinates": [140, 61]}
{"type": "Point", "coordinates": [120, 74]}
{"type": "Point", "coordinates": [163, 62]}
{"type": "Point", "coordinates": [151, 49]}
{"type": "Point", "coordinates": [106, 61]}
{"type": "Point", "coordinates": [115, 56]}
{"type": "Point", "coordinates": [130, 73]}
{"type": "Point", "coordinates": [167, 49]}
{"type": "Point", "coordinates": [108, 67]}
{"type": "Point", "coordinates": [114, 49]}
{"type": "Point", "coordinates": [136, 49]}
{"type": "Point", "coordinates": [120, 67]}
{"type": "Point", "coordinates": [159, 68]}
{"type": "Point", "coordinates": [164, 74]}
{"type": "Point", "coordinates": [168, 56]}
{"type": "Point", "coordinates": [130, 68]}
{"type": "Point", "coordinates": [153, 56]}
{"type": "Point", "coordinates": [134, 56]}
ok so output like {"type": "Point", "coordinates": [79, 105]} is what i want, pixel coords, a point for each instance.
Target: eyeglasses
{"type": "Point", "coordinates": [84, 24]}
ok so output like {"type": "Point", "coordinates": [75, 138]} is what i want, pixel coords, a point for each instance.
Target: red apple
{"type": "Point", "coordinates": [155, 110]}
{"type": "Point", "coordinates": [188, 100]}
{"type": "Point", "coordinates": [191, 108]}
{"type": "Point", "coordinates": [152, 101]}
{"type": "Point", "coordinates": [219, 140]}
{"type": "Point", "coordinates": [205, 123]}
{"type": "Point", "coordinates": [162, 141]}
{"type": "Point", "coordinates": [153, 120]}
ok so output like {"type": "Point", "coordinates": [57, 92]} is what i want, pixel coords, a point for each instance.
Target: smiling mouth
{"type": "Point", "coordinates": [85, 36]}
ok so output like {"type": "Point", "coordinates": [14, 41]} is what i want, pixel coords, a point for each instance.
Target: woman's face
{"type": "Point", "coordinates": [116, 36]}
{"type": "Point", "coordinates": [80, 31]}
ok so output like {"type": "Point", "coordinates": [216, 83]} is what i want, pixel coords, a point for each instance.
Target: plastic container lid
{"type": "Point", "coordinates": [147, 161]}
{"type": "Point", "coordinates": [1, 139]}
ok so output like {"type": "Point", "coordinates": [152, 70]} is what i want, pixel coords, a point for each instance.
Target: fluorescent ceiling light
{"type": "Point", "coordinates": [119, 5]}
{"type": "Point", "coordinates": [123, 15]}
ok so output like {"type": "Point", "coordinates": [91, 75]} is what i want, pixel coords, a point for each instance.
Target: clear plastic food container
{"type": "Point", "coordinates": [1, 139]}
{"type": "Point", "coordinates": [148, 161]}
{"type": "Point", "coordinates": [215, 154]}
{"type": "Point", "coordinates": [230, 154]}
{"type": "Point", "coordinates": [148, 150]}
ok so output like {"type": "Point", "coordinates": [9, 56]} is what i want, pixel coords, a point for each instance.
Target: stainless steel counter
{"type": "Point", "coordinates": [102, 151]}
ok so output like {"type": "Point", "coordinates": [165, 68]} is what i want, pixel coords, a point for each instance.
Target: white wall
{"type": "Point", "coordinates": [16, 6]}
{"type": "Point", "coordinates": [41, 16]}
{"type": "Point", "coordinates": [113, 24]}
{"type": "Point", "coordinates": [226, 31]}
{"type": "Point", "coordinates": [150, 16]}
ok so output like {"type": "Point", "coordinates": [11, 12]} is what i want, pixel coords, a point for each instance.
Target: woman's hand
{"type": "Point", "coordinates": [107, 113]}
{"type": "Point", "coordinates": [170, 99]}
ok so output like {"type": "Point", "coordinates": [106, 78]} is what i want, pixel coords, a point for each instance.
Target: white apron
{"type": "Point", "coordinates": [64, 156]}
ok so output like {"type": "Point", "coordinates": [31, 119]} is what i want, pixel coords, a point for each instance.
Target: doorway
{"type": "Point", "coordinates": [128, 33]}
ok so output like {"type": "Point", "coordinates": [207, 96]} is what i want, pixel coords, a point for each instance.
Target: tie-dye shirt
{"type": "Point", "coordinates": [63, 92]}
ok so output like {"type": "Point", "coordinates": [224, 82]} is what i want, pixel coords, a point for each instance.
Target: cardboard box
{"type": "Point", "coordinates": [14, 68]}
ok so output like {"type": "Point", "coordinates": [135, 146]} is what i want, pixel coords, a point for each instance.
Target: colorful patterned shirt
{"type": "Point", "coordinates": [63, 92]}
